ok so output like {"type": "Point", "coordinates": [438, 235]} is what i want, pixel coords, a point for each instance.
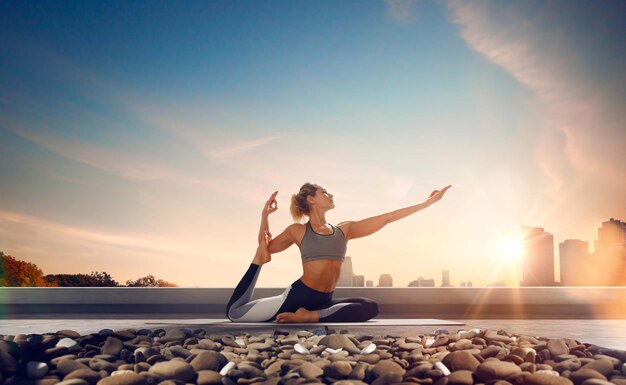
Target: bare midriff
{"type": "Point", "coordinates": [321, 274]}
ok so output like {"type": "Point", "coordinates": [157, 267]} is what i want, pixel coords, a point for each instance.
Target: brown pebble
{"type": "Point", "coordinates": [579, 376]}
{"type": "Point", "coordinates": [546, 379]}
{"type": "Point", "coordinates": [461, 377]}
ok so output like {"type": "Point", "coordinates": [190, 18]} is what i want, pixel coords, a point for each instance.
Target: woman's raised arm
{"type": "Point", "coordinates": [270, 206]}
{"type": "Point", "coordinates": [365, 227]}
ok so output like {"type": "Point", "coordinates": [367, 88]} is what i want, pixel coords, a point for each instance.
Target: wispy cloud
{"type": "Point", "coordinates": [108, 160]}
{"type": "Point", "coordinates": [141, 242]}
{"type": "Point", "coordinates": [402, 11]}
{"type": "Point", "coordinates": [236, 149]}
{"type": "Point", "coordinates": [581, 131]}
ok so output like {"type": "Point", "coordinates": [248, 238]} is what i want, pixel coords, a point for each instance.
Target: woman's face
{"type": "Point", "coordinates": [324, 199]}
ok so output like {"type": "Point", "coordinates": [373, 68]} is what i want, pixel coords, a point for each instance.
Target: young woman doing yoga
{"type": "Point", "coordinates": [323, 249]}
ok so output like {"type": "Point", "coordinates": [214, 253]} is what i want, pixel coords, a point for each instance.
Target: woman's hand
{"type": "Point", "coordinates": [271, 205]}
{"type": "Point", "coordinates": [437, 195]}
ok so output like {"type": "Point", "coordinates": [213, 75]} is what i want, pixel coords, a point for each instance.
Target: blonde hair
{"type": "Point", "coordinates": [299, 205]}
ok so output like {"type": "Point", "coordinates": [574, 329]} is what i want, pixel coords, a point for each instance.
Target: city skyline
{"type": "Point", "coordinates": [144, 139]}
{"type": "Point", "coordinates": [577, 266]}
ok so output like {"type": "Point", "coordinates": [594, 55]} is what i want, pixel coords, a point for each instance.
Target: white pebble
{"type": "Point", "coordinates": [475, 330]}
{"type": "Point", "coordinates": [240, 342]}
{"type": "Point", "coordinates": [67, 342]}
{"type": "Point", "coordinates": [429, 341]}
{"type": "Point", "coordinates": [439, 365]}
{"type": "Point", "coordinates": [333, 351]}
{"type": "Point", "coordinates": [514, 338]}
{"type": "Point", "coordinates": [118, 372]}
{"type": "Point", "coordinates": [550, 372]}
{"type": "Point", "coordinates": [301, 349]}
{"type": "Point", "coordinates": [36, 369]}
{"type": "Point", "coordinates": [227, 368]}
{"type": "Point", "coordinates": [368, 349]}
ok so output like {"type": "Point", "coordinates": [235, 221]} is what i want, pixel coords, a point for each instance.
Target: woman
{"type": "Point", "coordinates": [323, 249]}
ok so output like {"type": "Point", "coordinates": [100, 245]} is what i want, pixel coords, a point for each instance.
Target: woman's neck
{"type": "Point", "coordinates": [317, 219]}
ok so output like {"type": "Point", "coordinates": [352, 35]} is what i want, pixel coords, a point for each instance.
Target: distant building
{"type": "Point", "coordinates": [385, 280]}
{"type": "Point", "coordinates": [421, 282]}
{"type": "Point", "coordinates": [445, 278]}
{"type": "Point", "coordinates": [609, 258]}
{"type": "Point", "coordinates": [463, 284]}
{"type": "Point", "coordinates": [358, 280]}
{"type": "Point", "coordinates": [498, 284]}
{"type": "Point", "coordinates": [537, 257]}
{"type": "Point", "coordinates": [369, 283]}
{"type": "Point", "coordinates": [346, 274]}
{"type": "Point", "coordinates": [469, 283]}
{"type": "Point", "coordinates": [574, 262]}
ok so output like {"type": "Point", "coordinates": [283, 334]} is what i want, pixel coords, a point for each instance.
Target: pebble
{"type": "Point", "coordinates": [209, 377]}
{"type": "Point", "coordinates": [460, 377]}
{"type": "Point", "coordinates": [106, 332]}
{"type": "Point", "coordinates": [209, 360]}
{"type": "Point", "coordinates": [557, 347]}
{"type": "Point", "coordinates": [546, 379]}
{"type": "Point", "coordinates": [68, 333]}
{"type": "Point", "coordinates": [184, 356]}
{"type": "Point", "coordinates": [492, 370]}
{"type": "Point", "coordinates": [439, 365]}
{"type": "Point", "coordinates": [66, 342]}
{"type": "Point", "coordinates": [91, 376]}
{"type": "Point", "coordinates": [36, 369]}
{"type": "Point", "coordinates": [124, 379]}
{"type": "Point", "coordinates": [310, 371]}
{"type": "Point", "coordinates": [226, 368]}
{"type": "Point", "coordinates": [461, 360]}
{"type": "Point", "coordinates": [579, 376]}
{"type": "Point", "coordinates": [336, 341]}
{"type": "Point", "coordinates": [368, 349]}
{"type": "Point", "coordinates": [112, 346]}
{"type": "Point", "coordinates": [300, 349]}
{"type": "Point", "coordinates": [174, 370]}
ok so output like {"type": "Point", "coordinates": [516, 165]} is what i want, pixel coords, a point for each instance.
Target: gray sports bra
{"type": "Point", "coordinates": [323, 246]}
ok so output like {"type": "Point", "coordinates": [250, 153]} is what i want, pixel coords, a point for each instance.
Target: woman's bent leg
{"type": "Point", "coordinates": [348, 310]}
{"type": "Point", "coordinates": [241, 309]}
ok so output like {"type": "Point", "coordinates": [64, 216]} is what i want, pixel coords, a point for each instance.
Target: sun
{"type": "Point", "coordinates": [511, 249]}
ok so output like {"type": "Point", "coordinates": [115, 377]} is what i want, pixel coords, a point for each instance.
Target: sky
{"type": "Point", "coordinates": [145, 137]}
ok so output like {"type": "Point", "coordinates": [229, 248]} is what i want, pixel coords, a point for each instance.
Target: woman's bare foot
{"type": "Point", "coordinates": [301, 315]}
{"type": "Point", "coordinates": [263, 255]}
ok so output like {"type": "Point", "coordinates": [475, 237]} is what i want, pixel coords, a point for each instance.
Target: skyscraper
{"type": "Point", "coordinates": [445, 278]}
{"type": "Point", "coordinates": [385, 280]}
{"type": "Point", "coordinates": [537, 257]}
{"type": "Point", "coordinates": [574, 262]}
{"type": "Point", "coordinates": [369, 283]}
{"type": "Point", "coordinates": [358, 280]}
{"type": "Point", "coordinates": [346, 275]}
{"type": "Point", "coordinates": [610, 252]}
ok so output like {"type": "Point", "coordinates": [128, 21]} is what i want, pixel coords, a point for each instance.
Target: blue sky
{"type": "Point", "coordinates": [143, 138]}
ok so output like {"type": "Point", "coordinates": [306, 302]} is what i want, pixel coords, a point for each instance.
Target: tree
{"type": "Point", "coordinates": [15, 273]}
{"type": "Point", "coordinates": [149, 281]}
{"type": "Point", "coordinates": [94, 279]}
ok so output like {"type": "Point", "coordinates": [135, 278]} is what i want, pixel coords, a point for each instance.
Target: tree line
{"type": "Point", "coordinates": [16, 273]}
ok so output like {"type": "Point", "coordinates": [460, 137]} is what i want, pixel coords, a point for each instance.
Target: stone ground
{"type": "Point", "coordinates": [605, 333]}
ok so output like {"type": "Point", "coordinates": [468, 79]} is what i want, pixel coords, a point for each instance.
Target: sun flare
{"type": "Point", "coordinates": [511, 249]}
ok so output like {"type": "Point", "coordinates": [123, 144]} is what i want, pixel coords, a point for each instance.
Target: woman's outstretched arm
{"type": "Point", "coordinates": [365, 227]}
